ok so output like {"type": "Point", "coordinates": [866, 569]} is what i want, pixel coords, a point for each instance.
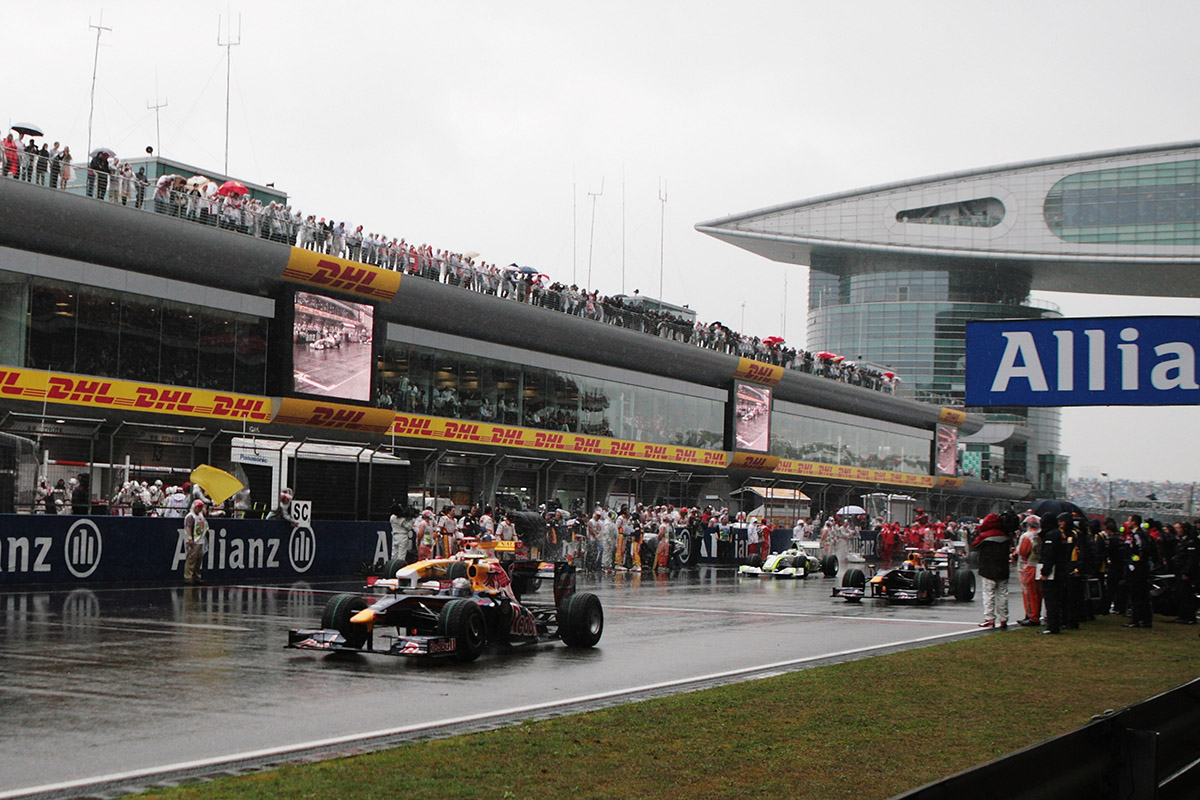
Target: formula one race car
{"type": "Point", "coordinates": [454, 607]}
{"type": "Point", "coordinates": [923, 578]}
{"type": "Point", "coordinates": [802, 559]}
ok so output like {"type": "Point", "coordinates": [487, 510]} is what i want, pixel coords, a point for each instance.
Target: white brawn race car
{"type": "Point", "coordinates": [802, 559]}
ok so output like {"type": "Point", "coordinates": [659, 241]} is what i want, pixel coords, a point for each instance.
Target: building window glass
{"type": "Point", "coordinates": [982, 212]}
{"type": "Point", "coordinates": [1141, 204]}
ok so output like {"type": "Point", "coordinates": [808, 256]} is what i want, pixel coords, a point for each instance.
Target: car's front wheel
{"type": "Point", "coordinates": [337, 614]}
{"type": "Point", "coordinates": [463, 620]}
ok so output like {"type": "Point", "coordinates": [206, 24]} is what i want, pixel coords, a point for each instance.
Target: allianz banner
{"type": "Point", "coordinates": [68, 549]}
{"type": "Point", "coordinates": [1102, 361]}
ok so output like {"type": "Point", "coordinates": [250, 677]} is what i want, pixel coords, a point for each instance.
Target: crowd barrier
{"type": "Point", "coordinates": [69, 549]}
{"type": "Point", "coordinates": [1149, 750]}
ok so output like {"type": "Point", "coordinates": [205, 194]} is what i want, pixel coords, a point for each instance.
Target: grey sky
{"type": "Point", "coordinates": [483, 126]}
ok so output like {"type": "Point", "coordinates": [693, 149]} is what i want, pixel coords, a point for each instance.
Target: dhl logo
{"type": "Point", "coordinates": [462, 431]}
{"type": "Point", "coordinates": [587, 444]}
{"type": "Point", "coordinates": [658, 451]}
{"type": "Point", "coordinates": [714, 458]}
{"type": "Point", "coordinates": [627, 449]}
{"type": "Point", "coordinates": [79, 391]}
{"type": "Point", "coordinates": [239, 407]}
{"type": "Point", "coordinates": [412, 426]}
{"type": "Point", "coordinates": [758, 372]}
{"type": "Point", "coordinates": [687, 454]}
{"type": "Point", "coordinates": [509, 436]}
{"type": "Point", "coordinates": [324, 417]}
{"type": "Point", "coordinates": [548, 441]}
{"type": "Point", "coordinates": [825, 470]}
{"type": "Point", "coordinates": [8, 383]}
{"type": "Point", "coordinates": [754, 462]}
{"type": "Point", "coordinates": [345, 277]}
{"type": "Point", "coordinates": [163, 399]}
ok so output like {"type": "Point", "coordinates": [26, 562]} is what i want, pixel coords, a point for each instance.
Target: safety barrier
{"type": "Point", "coordinates": [70, 549]}
{"type": "Point", "coordinates": [1148, 750]}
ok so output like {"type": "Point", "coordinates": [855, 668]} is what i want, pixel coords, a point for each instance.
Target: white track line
{"type": "Point", "coordinates": [749, 613]}
{"type": "Point", "coordinates": [117, 777]}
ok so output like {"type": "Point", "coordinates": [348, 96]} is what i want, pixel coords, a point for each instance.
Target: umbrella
{"type": "Point", "coordinates": [232, 187]}
{"type": "Point", "coordinates": [774, 340]}
{"type": "Point", "coordinates": [106, 150]}
{"type": "Point", "coordinates": [165, 179]}
{"type": "Point", "coordinates": [529, 270]}
{"type": "Point", "coordinates": [1049, 509]}
{"type": "Point", "coordinates": [217, 483]}
{"type": "Point", "coordinates": [471, 254]}
{"type": "Point", "coordinates": [889, 375]}
{"type": "Point", "coordinates": [27, 128]}
{"type": "Point", "coordinates": [825, 354]}
{"type": "Point", "coordinates": [197, 180]}
{"type": "Point", "coordinates": [851, 510]}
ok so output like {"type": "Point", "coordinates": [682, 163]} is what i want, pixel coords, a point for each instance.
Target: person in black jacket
{"type": "Point", "coordinates": [1054, 567]}
{"type": "Point", "coordinates": [1116, 561]}
{"type": "Point", "coordinates": [1141, 553]}
{"type": "Point", "coordinates": [1184, 561]}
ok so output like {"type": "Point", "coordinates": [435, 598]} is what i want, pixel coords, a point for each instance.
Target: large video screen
{"type": "Point", "coordinates": [751, 417]}
{"type": "Point", "coordinates": [332, 347]}
{"type": "Point", "coordinates": [945, 459]}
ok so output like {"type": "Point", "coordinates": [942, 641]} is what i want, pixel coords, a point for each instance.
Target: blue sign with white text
{"type": "Point", "coordinates": [1100, 361]}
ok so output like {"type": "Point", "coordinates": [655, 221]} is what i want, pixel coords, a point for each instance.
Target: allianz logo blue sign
{"type": "Point", "coordinates": [1103, 361]}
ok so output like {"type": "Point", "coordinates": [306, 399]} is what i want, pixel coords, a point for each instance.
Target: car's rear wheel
{"type": "Point", "coordinates": [581, 620]}
{"type": "Point", "coordinates": [463, 620]}
{"type": "Point", "coordinates": [458, 569]}
{"type": "Point", "coordinates": [392, 567]}
{"type": "Point", "coordinates": [854, 579]}
{"type": "Point", "coordinates": [829, 566]}
{"type": "Point", "coordinates": [964, 585]}
{"type": "Point", "coordinates": [337, 614]}
{"type": "Point", "coordinates": [756, 561]}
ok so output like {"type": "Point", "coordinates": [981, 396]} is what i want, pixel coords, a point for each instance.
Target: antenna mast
{"type": "Point", "coordinates": [662, 221]}
{"type": "Point", "coordinates": [592, 234]}
{"type": "Point", "coordinates": [227, 44]}
{"type": "Point", "coordinates": [157, 105]}
{"type": "Point", "coordinates": [95, 63]}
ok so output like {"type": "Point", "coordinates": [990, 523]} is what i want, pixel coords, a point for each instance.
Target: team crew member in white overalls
{"type": "Point", "coordinates": [195, 532]}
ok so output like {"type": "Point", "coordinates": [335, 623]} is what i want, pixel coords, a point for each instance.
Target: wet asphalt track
{"type": "Point", "coordinates": [115, 681]}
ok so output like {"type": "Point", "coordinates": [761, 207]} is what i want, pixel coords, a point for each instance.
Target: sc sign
{"type": "Point", "coordinates": [1104, 361]}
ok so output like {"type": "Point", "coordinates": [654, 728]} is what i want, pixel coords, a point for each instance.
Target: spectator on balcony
{"type": "Point", "coordinates": [43, 164]}
{"type": "Point", "coordinates": [12, 157]}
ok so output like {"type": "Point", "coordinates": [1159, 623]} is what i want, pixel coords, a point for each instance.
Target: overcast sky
{"type": "Point", "coordinates": [501, 128]}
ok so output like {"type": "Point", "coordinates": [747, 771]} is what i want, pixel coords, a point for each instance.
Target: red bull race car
{"type": "Point", "coordinates": [924, 577]}
{"type": "Point", "coordinates": [454, 608]}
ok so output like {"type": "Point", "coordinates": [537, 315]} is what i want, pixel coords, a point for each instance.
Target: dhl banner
{"type": "Point", "coordinates": [813, 469]}
{"type": "Point", "coordinates": [51, 387]}
{"type": "Point", "coordinates": [316, 414]}
{"type": "Point", "coordinates": [758, 372]}
{"type": "Point", "coordinates": [326, 272]}
{"type": "Point", "coordinates": [952, 416]}
{"type": "Point", "coordinates": [452, 430]}
{"type": "Point", "coordinates": [758, 462]}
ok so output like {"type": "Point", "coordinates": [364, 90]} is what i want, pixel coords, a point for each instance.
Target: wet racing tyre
{"type": "Point", "coordinates": [854, 579]}
{"type": "Point", "coordinates": [581, 620]}
{"type": "Point", "coordinates": [924, 584]}
{"type": "Point", "coordinates": [463, 620]}
{"type": "Point", "coordinates": [456, 570]}
{"type": "Point", "coordinates": [392, 567]}
{"type": "Point", "coordinates": [337, 614]}
{"type": "Point", "coordinates": [829, 566]}
{"type": "Point", "coordinates": [964, 585]}
{"type": "Point", "coordinates": [756, 561]}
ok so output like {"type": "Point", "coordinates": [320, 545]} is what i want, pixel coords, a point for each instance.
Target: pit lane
{"type": "Point", "coordinates": [109, 689]}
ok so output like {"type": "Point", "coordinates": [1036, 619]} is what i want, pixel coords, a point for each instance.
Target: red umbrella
{"type": "Point", "coordinates": [889, 375]}
{"type": "Point", "coordinates": [773, 340]}
{"type": "Point", "coordinates": [825, 354]}
{"type": "Point", "coordinates": [232, 187]}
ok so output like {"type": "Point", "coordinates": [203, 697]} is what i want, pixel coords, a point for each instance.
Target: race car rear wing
{"type": "Point", "coordinates": [564, 576]}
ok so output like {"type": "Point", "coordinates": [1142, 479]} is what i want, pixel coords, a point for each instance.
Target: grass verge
{"type": "Point", "coordinates": [864, 729]}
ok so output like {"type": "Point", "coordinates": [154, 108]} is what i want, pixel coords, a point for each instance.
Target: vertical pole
{"type": "Point", "coordinates": [228, 44]}
{"type": "Point", "coordinates": [95, 63]}
{"type": "Point", "coordinates": [662, 221]}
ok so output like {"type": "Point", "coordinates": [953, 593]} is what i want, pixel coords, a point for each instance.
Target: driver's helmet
{"type": "Point", "coordinates": [909, 565]}
{"type": "Point", "coordinates": [460, 587]}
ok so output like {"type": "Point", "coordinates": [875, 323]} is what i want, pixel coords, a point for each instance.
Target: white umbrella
{"type": "Point", "coordinates": [27, 128]}
{"type": "Point", "coordinates": [851, 510]}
